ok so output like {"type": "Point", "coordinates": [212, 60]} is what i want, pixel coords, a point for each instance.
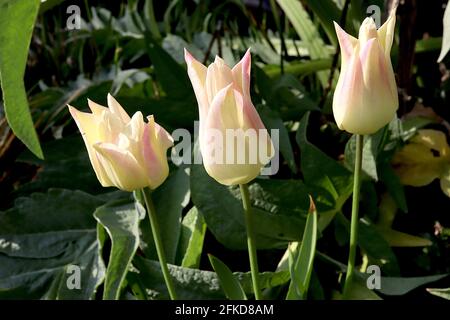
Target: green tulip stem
{"type": "Point", "coordinates": [250, 240]}
{"type": "Point", "coordinates": [158, 242]}
{"type": "Point", "coordinates": [354, 220]}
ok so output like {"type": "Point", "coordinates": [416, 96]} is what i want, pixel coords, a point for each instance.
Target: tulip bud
{"type": "Point", "coordinates": [126, 153]}
{"type": "Point", "coordinates": [234, 142]}
{"type": "Point", "coordinates": [366, 97]}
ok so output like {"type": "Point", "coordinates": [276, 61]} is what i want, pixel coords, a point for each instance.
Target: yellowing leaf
{"type": "Point", "coordinates": [445, 182]}
{"type": "Point", "coordinates": [400, 239]}
{"type": "Point", "coordinates": [424, 159]}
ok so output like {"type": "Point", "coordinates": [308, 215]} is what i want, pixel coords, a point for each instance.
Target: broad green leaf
{"type": "Point", "coordinates": [272, 120]}
{"type": "Point", "coordinates": [370, 153]}
{"type": "Point", "coordinates": [172, 76]}
{"type": "Point", "coordinates": [303, 259]}
{"type": "Point", "coordinates": [230, 285]}
{"type": "Point", "coordinates": [374, 245]}
{"type": "Point", "coordinates": [197, 284]}
{"type": "Point", "coordinates": [190, 246]}
{"type": "Point", "coordinates": [16, 27]}
{"type": "Point", "coordinates": [446, 34]}
{"type": "Point", "coordinates": [170, 200]}
{"type": "Point", "coordinates": [64, 158]}
{"type": "Point", "coordinates": [393, 184]}
{"type": "Point", "coordinates": [329, 183]}
{"type": "Point", "coordinates": [307, 31]}
{"type": "Point", "coordinates": [44, 239]}
{"type": "Point", "coordinates": [284, 95]}
{"type": "Point", "coordinates": [443, 293]}
{"type": "Point", "coordinates": [396, 286]}
{"type": "Point", "coordinates": [279, 210]}
{"type": "Point", "coordinates": [121, 221]}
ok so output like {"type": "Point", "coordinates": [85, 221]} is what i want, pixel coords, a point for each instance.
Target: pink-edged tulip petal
{"type": "Point", "coordinates": [218, 76]}
{"type": "Point", "coordinates": [88, 126]}
{"type": "Point", "coordinates": [117, 109]}
{"type": "Point", "coordinates": [377, 75]}
{"type": "Point", "coordinates": [121, 167]}
{"type": "Point", "coordinates": [349, 85]}
{"type": "Point", "coordinates": [367, 31]}
{"type": "Point", "coordinates": [226, 160]}
{"type": "Point", "coordinates": [386, 34]}
{"type": "Point", "coordinates": [197, 75]}
{"type": "Point", "coordinates": [135, 127]}
{"type": "Point", "coordinates": [347, 43]}
{"type": "Point", "coordinates": [241, 74]}
{"type": "Point", "coordinates": [154, 154]}
{"type": "Point", "coordinates": [96, 108]}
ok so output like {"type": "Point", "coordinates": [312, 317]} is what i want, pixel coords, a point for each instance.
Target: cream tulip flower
{"type": "Point", "coordinates": [366, 96]}
{"type": "Point", "coordinates": [125, 152]}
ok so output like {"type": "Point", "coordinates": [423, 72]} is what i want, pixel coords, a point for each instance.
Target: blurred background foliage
{"type": "Point", "coordinates": [134, 50]}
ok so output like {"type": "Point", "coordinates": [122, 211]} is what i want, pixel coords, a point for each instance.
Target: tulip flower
{"type": "Point", "coordinates": [366, 96]}
{"type": "Point", "coordinates": [125, 152]}
{"type": "Point", "coordinates": [227, 114]}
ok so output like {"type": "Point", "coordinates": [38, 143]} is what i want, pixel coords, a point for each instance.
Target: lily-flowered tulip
{"type": "Point", "coordinates": [366, 96]}
{"type": "Point", "coordinates": [125, 152]}
{"type": "Point", "coordinates": [233, 141]}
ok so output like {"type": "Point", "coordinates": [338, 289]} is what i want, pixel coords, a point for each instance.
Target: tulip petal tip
{"type": "Point", "coordinates": [187, 56]}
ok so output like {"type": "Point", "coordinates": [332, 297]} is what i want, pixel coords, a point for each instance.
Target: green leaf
{"type": "Point", "coordinates": [63, 157]}
{"type": "Point", "coordinates": [400, 239]}
{"type": "Point", "coordinates": [272, 120]}
{"type": "Point", "coordinates": [446, 34]}
{"type": "Point", "coordinates": [190, 246]}
{"type": "Point", "coordinates": [197, 284]}
{"type": "Point", "coordinates": [279, 209]}
{"type": "Point", "coordinates": [329, 183]}
{"type": "Point", "coordinates": [170, 199]}
{"type": "Point", "coordinates": [303, 259]}
{"type": "Point", "coordinates": [307, 31]}
{"type": "Point", "coordinates": [396, 286]}
{"type": "Point", "coordinates": [327, 12]}
{"type": "Point", "coordinates": [232, 288]}
{"type": "Point", "coordinates": [370, 153]}
{"type": "Point", "coordinates": [393, 184]}
{"type": "Point", "coordinates": [374, 245]}
{"type": "Point", "coordinates": [16, 27]}
{"type": "Point", "coordinates": [299, 68]}
{"type": "Point", "coordinates": [285, 95]}
{"type": "Point", "coordinates": [172, 76]}
{"type": "Point", "coordinates": [41, 238]}
{"type": "Point", "coordinates": [121, 221]}
{"type": "Point", "coordinates": [443, 293]}
{"type": "Point", "coordinates": [359, 291]}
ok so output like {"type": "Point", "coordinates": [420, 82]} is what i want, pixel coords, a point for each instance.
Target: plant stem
{"type": "Point", "coordinates": [158, 242]}
{"type": "Point", "coordinates": [355, 209]}
{"type": "Point", "coordinates": [250, 240]}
